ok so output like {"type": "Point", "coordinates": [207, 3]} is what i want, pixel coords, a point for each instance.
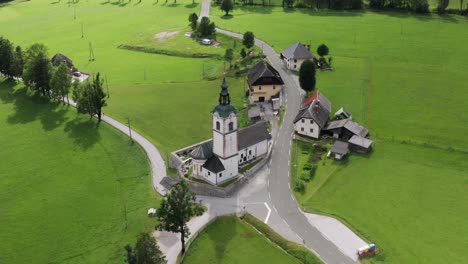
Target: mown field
{"type": "Point", "coordinates": [164, 96]}
{"type": "Point", "coordinates": [71, 191]}
{"type": "Point", "coordinates": [230, 240]}
{"type": "Point", "coordinates": [401, 76]}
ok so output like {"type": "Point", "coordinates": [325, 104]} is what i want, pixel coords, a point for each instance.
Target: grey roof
{"type": "Point", "coordinates": [59, 58]}
{"type": "Point", "coordinates": [169, 182]}
{"type": "Point", "coordinates": [356, 129]}
{"type": "Point", "coordinates": [264, 73]}
{"type": "Point", "coordinates": [203, 151]}
{"type": "Point", "coordinates": [254, 111]}
{"type": "Point", "coordinates": [360, 141]}
{"type": "Point", "coordinates": [336, 124]}
{"type": "Point", "coordinates": [340, 147]}
{"type": "Point", "coordinates": [315, 111]}
{"type": "Point", "coordinates": [343, 112]}
{"type": "Point", "coordinates": [324, 101]}
{"type": "Point", "coordinates": [214, 165]}
{"type": "Point", "coordinates": [297, 51]}
{"type": "Point", "coordinates": [253, 134]}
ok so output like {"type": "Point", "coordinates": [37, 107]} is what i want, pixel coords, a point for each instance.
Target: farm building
{"type": "Point", "coordinates": [360, 144]}
{"type": "Point", "coordinates": [313, 116]}
{"type": "Point", "coordinates": [265, 82]}
{"type": "Point", "coordinates": [340, 149]}
{"type": "Point", "coordinates": [345, 129]}
{"type": "Point", "coordinates": [218, 160]}
{"type": "Point", "coordinates": [295, 55]}
{"type": "Point", "coordinates": [59, 58]}
{"type": "Point", "coordinates": [343, 114]}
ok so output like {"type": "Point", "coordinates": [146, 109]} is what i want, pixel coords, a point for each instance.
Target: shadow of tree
{"type": "Point", "coordinates": [6, 90]}
{"type": "Point", "coordinates": [192, 5]}
{"type": "Point", "coordinates": [222, 239]}
{"type": "Point", "coordinates": [84, 133]}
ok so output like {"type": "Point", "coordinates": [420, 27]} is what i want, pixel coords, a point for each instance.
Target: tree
{"type": "Point", "coordinates": [206, 27]}
{"type": "Point", "coordinates": [288, 3]}
{"type": "Point", "coordinates": [227, 6]}
{"type": "Point", "coordinates": [243, 53]}
{"type": "Point", "coordinates": [442, 5]}
{"type": "Point", "coordinates": [193, 19]}
{"type": "Point", "coordinates": [6, 57]}
{"type": "Point", "coordinates": [61, 81]}
{"type": "Point", "coordinates": [18, 63]}
{"type": "Point", "coordinates": [38, 69]}
{"type": "Point", "coordinates": [146, 251]}
{"type": "Point", "coordinates": [322, 50]}
{"type": "Point", "coordinates": [90, 97]}
{"type": "Point", "coordinates": [228, 56]}
{"type": "Point", "coordinates": [307, 76]}
{"type": "Point", "coordinates": [176, 210]}
{"type": "Point", "coordinates": [249, 39]}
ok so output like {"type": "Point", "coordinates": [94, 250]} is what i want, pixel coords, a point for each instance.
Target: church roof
{"type": "Point", "coordinates": [253, 134]}
{"type": "Point", "coordinates": [203, 151]}
{"type": "Point", "coordinates": [214, 165]}
{"type": "Point", "coordinates": [224, 108]}
{"type": "Point", "coordinates": [264, 73]}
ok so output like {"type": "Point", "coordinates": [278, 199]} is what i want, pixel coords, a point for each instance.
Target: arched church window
{"type": "Point", "coordinates": [231, 126]}
{"type": "Point", "coordinates": [218, 125]}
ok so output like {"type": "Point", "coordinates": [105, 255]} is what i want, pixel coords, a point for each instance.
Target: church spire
{"type": "Point", "coordinates": [224, 98]}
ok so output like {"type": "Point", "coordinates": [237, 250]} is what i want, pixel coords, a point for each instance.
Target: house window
{"type": "Point", "coordinates": [208, 173]}
{"type": "Point", "coordinates": [231, 126]}
{"type": "Point", "coordinates": [250, 152]}
{"type": "Point", "coordinates": [218, 125]}
{"type": "Point", "coordinates": [311, 130]}
{"type": "Point", "coordinates": [295, 60]}
{"type": "Point", "coordinates": [274, 87]}
{"type": "Point", "coordinates": [302, 129]}
{"type": "Point", "coordinates": [303, 120]}
{"type": "Point", "coordinates": [242, 155]}
{"type": "Point", "coordinates": [259, 88]}
{"type": "Point", "coordinates": [294, 66]}
{"type": "Point", "coordinates": [220, 175]}
{"type": "Point", "coordinates": [311, 121]}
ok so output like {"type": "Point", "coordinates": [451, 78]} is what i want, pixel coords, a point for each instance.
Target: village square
{"type": "Point", "coordinates": [233, 131]}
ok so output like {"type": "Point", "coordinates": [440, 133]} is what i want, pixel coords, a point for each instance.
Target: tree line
{"type": "Point", "coordinates": [35, 69]}
{"type": "Point", "coordinates": [418, 6]}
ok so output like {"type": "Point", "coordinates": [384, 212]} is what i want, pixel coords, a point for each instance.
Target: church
{"type": "Point", "coordinates": [219, 159]}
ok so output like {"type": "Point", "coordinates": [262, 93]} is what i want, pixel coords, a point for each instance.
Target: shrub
{"type": "Point", "coordinates": [307, 166]}
{"type": "Point", "coordinates": [298, 251]}
{"type": "Point", "coordinates": [299, 186]}
{"type": "Point", "coordinates": [305, 176]}
{"type": "Point", "coordinates": [312, 172]}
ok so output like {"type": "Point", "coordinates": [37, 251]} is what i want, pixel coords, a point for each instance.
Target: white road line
{"type": "Point", "coordinates": [286, 223]}
{"type": "Point", "coordinates": [292, 197]}
{"type": "Point", "coordinates": [289, 185]}
{"type": "Point", "coordinates": [300, 238]}
{"type": "Point", "coordinates": [289, 163]}
{"type": "Point", "coordinates": [289, 151]}
{"type": "Point", "coordinates": [269, 196]}
{"type": "Point", "coordinates": [275, 209]}
{"type": "Point", "coordinates": [269, 212]}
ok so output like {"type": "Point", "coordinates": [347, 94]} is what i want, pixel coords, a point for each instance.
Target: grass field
{"type": "Point", "coordinates": [164, 96]}
{"type": "Point", "coordinates": [229, 240]}
{"type": "Point", "coordinates": [70, 191]}
{"type": "Point", "coordinates": [403, 78]}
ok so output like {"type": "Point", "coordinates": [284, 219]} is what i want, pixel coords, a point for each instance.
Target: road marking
{"type": "Point", "coordinates": [292, 197]}
{"type": "Point", "coordinates": [289, 185]}
{"type": "Point", "coordinates": [269, 196]}
{"type": "Point", "coordinates": [286, 223]}
{"type": "Point", "coordinates": [275, 209]}
{"type": "Point", "coordinates": [289, 151]}
{"type": "Point", "coordinates": [269, 212]}
{"type": "Point", "coordinates": [289, 163]}
{"type": "Point", "coordinates": [300, 238]}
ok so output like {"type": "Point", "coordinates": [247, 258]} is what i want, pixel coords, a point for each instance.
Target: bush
{"type": "Point", "coordinates": [305, 176]}
{"type": "Point", "coordinates": [298, 251]}
{"type": "Point", "coordinates": [299, 187]}
{"type": "Point", "coordinates": [312, 171]}
{"type": "Point", "coordinates": [199, 209]}
{"type": "Point", "coordinates": [307, 166]}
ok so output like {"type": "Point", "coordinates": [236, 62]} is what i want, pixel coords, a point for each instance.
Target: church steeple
{"type": "Point", "coordinates": [224, 98]}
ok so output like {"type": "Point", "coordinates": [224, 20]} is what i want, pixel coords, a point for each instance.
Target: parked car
{"type": "Point", "coordinates": [77, 74]}
{"type": "Point", "coordinates": [206, 41]}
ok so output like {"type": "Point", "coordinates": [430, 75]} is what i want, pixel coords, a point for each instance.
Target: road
{"type": "Point", "coordinates": [278, 183]}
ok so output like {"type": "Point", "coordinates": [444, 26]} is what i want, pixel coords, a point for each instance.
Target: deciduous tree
{"type": "Point", "coordinates": [146, 251]}
{"type": "Point", "coordinates": [176, 210]}
{"type": "Point", "coordinates": [61, 82]}
{"type": "Point", "coordinates": [227, 6]}
{"type": "Point", "coordinates": [193, 19]}
{"type": "Point", "coordinates": [90, 97]}
{"type": "Point", "coordinates": [206, 27]}
{"type": "Point", "coordinates": [322, 50]}
{"type": "Point", "coordinates": [228, 56]}
{"type": "Point", "coordinates": [307, 76]}
{"type": "Point", "coordinates": [6, 57]}
{"type": "Point", "coordinates": [243, 53]}
{"type": "Point", "coordinates": [18, 63]}
{"type": "Point", "coordinates": [38, 69]}
{"type": "Point", "coordinates": [249, 39]}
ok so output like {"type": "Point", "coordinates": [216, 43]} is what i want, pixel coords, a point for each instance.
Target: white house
{"type": "Point", "coordinates": [313, 116]}
{"type": "Point", "coordinates": [218, 160]}
{"type": "Point", "coordinates": [295, 55]}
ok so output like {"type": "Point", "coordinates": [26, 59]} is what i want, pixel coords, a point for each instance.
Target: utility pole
{"type": "Point", "coordinates": [129, 129]}
{"type": "Point", "coordinates": [82, 34]}
{"type": "Point", "coordinates": [74, 11]}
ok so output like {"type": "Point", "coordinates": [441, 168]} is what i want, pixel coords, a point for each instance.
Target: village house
{"type": "Point", "coordinates": [345, 129]}
{"type": "Point", "coordinates": [59, 58]}
{"type": "Point", "coordinates": [218, 159]}
{"type": "Point", "coordinates": [313, 116]}
{"type": "Point", "coordinates": [264, 82]}
{"type": "Point", "coordinates": [340, 149]}
{"type": "Point", "coordinates": [295, 55]}
{"type": "Point", "coordinates": [360, 145]}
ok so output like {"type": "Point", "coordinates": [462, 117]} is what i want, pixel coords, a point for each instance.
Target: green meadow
{"type": "Point", "coordinates": [71, 190]}
{"type": "Point", "coordinates": [403, 77]}
{"type": "Point", "coordinates": [230, 240]}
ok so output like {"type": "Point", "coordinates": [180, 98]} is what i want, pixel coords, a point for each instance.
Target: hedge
{"type": "Point", "coordinates": [296, 250]}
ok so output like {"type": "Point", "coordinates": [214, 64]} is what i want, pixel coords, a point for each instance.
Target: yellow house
{"type": "Point", "coordinates": [265, 82]}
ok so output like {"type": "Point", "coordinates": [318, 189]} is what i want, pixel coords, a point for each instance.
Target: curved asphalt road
{"type": "Point", "coordinates": [278, 186]}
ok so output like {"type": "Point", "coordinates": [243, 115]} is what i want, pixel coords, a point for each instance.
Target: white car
{"type": "Point", "coordinates": [206, 41]}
